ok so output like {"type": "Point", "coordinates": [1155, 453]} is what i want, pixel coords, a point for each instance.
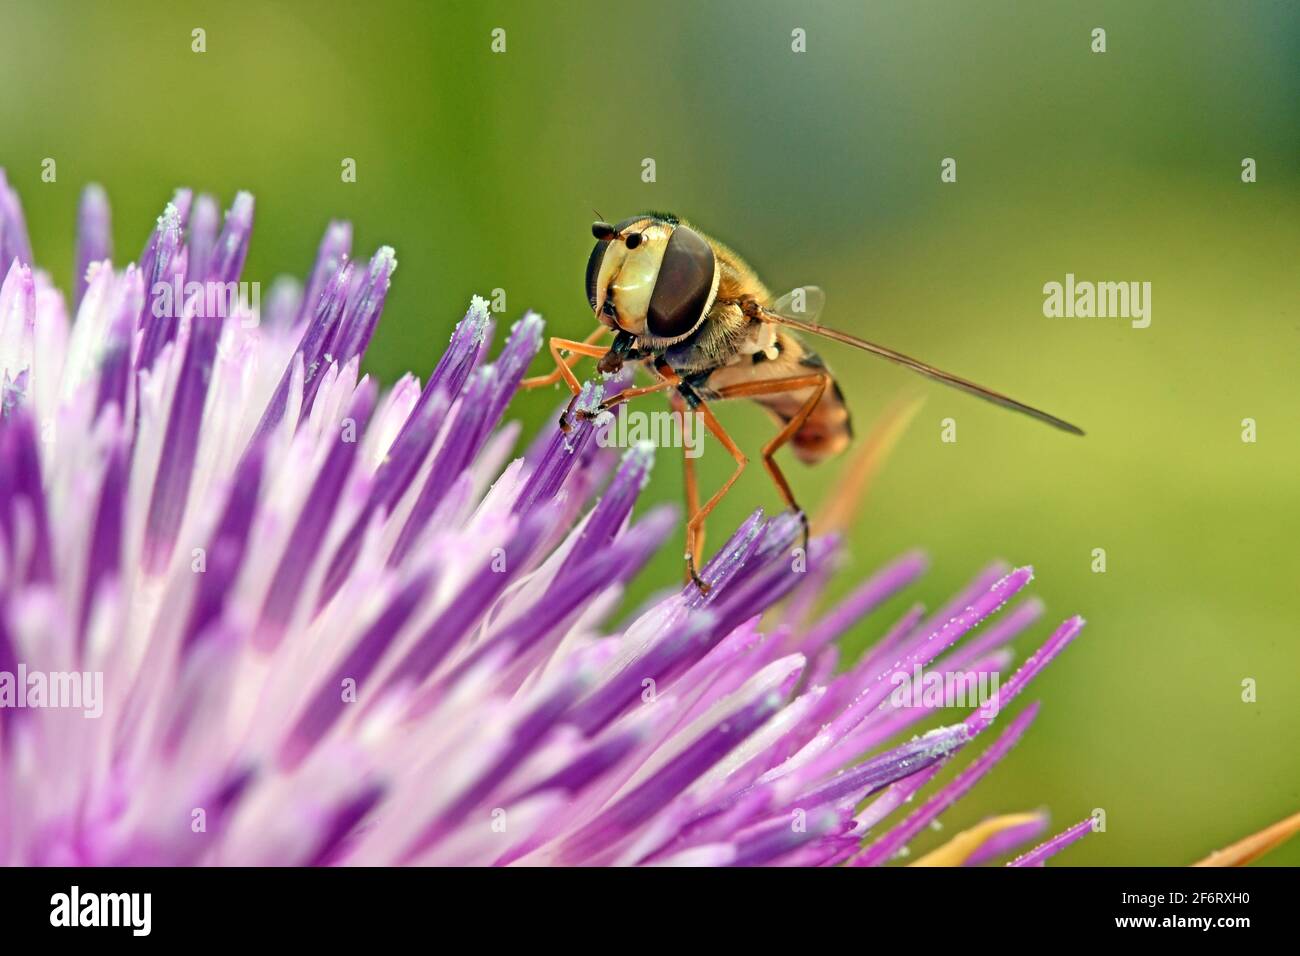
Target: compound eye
{"type": "Point", "coordinates": [683, 286]}
{"type": "Point", "coordinates": [593, 270]}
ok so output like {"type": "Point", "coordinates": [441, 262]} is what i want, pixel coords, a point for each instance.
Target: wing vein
{"type": "Point", "coordinates": [938, 375]}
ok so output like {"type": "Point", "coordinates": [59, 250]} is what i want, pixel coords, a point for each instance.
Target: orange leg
{"type": "Point", "coordinates": [691, 483]}
{"type": "Point", "coordinates": [817, 382]}
{"type": "Point", "coordinates": [695, 514]}
{"type": "Point", "coordinates": [660, 386]}
{"type": "Point", "coordinates": [695, 526]}
{"type": "Point", "coordinates": [563, 370]}
{"type": "Point", "coordinates": [564, 363]}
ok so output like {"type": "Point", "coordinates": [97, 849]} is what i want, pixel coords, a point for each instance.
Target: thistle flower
{"type": "Point", "coordinates": [339, 626]}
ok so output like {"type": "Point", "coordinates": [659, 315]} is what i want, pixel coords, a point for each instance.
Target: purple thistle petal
{"type": "Point", "coordinates": [302, 549]}
{"type": "Point", "coordinates": [14, 244]}
{"type": "Point", "coordinates": [343, 822]}
{"type": "Point", "coordinates": [308, 352]}
{"type": "Point", "coordinates": [690, 639]}
{"type": "Point", "coordinates": [94, 236]}
{"type": "Point", "coordinates": [561, 455]}
{"type": "Point", "coordinates": [584, 580]}
{"type": "Point", "coordinates": [521, 348]}
{"type": "Point", "coordinates": [335, 248]}
{"type": "Point", "coordinates": [670, 780]}
{"type": "Point", "coordinates": [940, 639]}
{"type": "Point", "coordinates": [880, 771]}
{"type": "Point", "coordinates": [997, 634]}
{"type": "Point", "coordinates": [468, 340]}
{"type": "Point", "coordinates": [456, 454]}
{"type": "Point", "coordinates": [474, 599]}
{"type": "Point", "coordinates": [17, 331]}
{"type": "Point", "coordinates": [104, 560]}
{"type": "Point", "coordinates": [1003, 842]}
{"type": "Point", "coordinates": [162, 268]}
{"type": "Point", "coordinates": [769, 575]}
{"type": "Point", "coordinates": [115, 360]}
{"type": "Point", "coordinates": [887, 647]}
{"type": "Point", "coordinates": [227, 549]}
{"type": "Point", "coordinates": [414, 440]}
{"type": "Point", "coordinates": [326, 706]}
{"type": "Point", "coordinates": [729, 560]}
{"type": "Point", "coordinates": [171, 488]}
{"type": "Point", "coordinates": [596, 760]}
{"type": "Point", "coordinates": [231, 248]}
{"type": "Point", "coordinates": [1040, 854]}
{"type": "Point", "coordinates": [986, 579]}
{"type": "Point", "coordinates": [798, 611]}
{"type": "Point", "coordinates": [350, 336]}
{"type": "Point", "coordinates": [358, 323]}
{"type": "Point", "coordinates": [203, 224]}
{"type": "Point", "coordinates": [8, 665]}
{"type": "Point", "coordinates": [23, 462]}
{"type": "Point", "coordinates": [531, 728]}
{"type": "Point", "coordinates": [897, 794]}
{"type": "Point", "coordinates": [869, 595]}
{"type": "Point", "coordinates": [888, 845]}
{"type": "Point", "coordinates": [180, 206]}
{"type": "Point", "coordinates": [616, 503]}
{"type": "Point", "coordinates": [1030, 669]}
{"type": "Point", "coordinates": [280, 312]}
{"type": "Point", "coordinates": [779, 837]}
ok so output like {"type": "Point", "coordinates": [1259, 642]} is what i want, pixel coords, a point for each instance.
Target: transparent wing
{"type": "Point", "coordinates": [804, 303]}
{"type": "Point", "coordinates": [810, 326]}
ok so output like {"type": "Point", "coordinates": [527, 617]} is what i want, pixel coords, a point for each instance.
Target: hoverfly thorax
{"type": "Point", "coordinates": [652, 277]}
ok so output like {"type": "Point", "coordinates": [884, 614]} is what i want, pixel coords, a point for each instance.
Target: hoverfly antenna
{"type": "Point", "coordinates": [603, 231]}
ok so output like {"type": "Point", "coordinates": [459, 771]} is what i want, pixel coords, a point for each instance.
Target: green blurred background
{"type": "Point", "coordinates": [823, 168]}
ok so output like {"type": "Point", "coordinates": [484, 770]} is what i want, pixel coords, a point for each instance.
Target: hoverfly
{"type": "Point", "coordinates": [699, 319]}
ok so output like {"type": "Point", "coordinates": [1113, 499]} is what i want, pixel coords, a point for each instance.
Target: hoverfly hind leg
{"type": "Point", "coordinates": [807, 531]}
{"type": "Point", "coordinates": [816, 383]}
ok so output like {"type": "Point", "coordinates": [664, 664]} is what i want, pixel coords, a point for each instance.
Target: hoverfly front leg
{"type": "Point", "coordinates": [566, 361]}
{"type": "Point", "coordinates": [564, 369]}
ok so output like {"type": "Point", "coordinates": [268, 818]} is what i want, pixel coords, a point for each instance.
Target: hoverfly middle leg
{"type": "Point", "coordinates": [690, 482]}
{"type": "Point", "coordinates": [684, 399]}
{"type": "Point", "coordinates": [695, 526]}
